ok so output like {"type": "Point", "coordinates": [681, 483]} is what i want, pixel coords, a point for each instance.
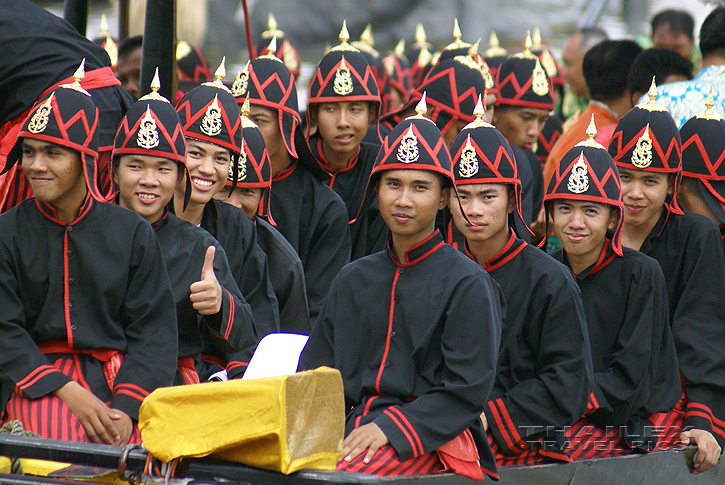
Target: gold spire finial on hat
{"type": "Point", "coordinates": [239, 87]}
{"type": "Point", "coordinates": [420, 37]}
{"type": "Point", "coordinates": [155, 86]}
{"type": "Point", "coordinates": [652, 104]}
{"type": "Point", "coordinates": [479, 112]}
{"type": "Point", "coordinates": [104, 25]}
{"type": "Point", "coordinates": [494, 46]}
{"type": "Point", "coordinates": [457, 42]}
{"type": "Point", "coordinates": [591, 133]}
{"type": "Point", "coordinates": [219, 74]}
{"type": "Point", "coordinates": [709, 114]}
{"type": "Point", "coordinates": [474, 49]}
{"type": "Point", "coordinates": [424, 57]}
{"type": "Point", "coordinates": [421, 109]}
{"type": "Point", "coordinates": [344, 37]}
{"type": "Point", "coordinates": [78, 77]}
{"type": "Point", "coordinates": [456, 30]}
{"type": "Point", "coordinates": [526, 54]}
{"type": "Point", "coordinates": [272, 29]}
{"type": "Point", "coordinates": [272, 50]}
{"type": "Point", "coordinates": [245, 111]}
{"type": "Point", "coordinates": [536, 39]}
{"type": "Point", "coordinates": [400, 48]}
{"type": "Point", "coordinates": [367, 36]}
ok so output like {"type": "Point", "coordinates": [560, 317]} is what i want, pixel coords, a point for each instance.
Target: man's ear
{"type": "Point", "coordinates": [635, 97]}
{"type": "Point", "coordinates": [445, 197]}
{"type": "Point", "coordinates": [671, 181]}
{"type": "Point", "coordinates": [613, 218]}
{"type": "Point", "coordinates": [312, 112]}
{"type": "Point", "coordinates": [373, 109]}
{"type": "Point", "coordinates": [181, 170]}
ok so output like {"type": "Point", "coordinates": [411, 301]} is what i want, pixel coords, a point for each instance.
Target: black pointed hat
{"type": "Point", "coordinates": [523, 81]}
{"type": "Point", "coordinates": [552, 130]}
{"type": "Point", "coordinates": [67, 117]}
{"type": "Point", "coordinates": [588, 173]}
{"type": "Point", "coordinates": [190, 63]}
{"type": "Point", "coordinates": [285, 51]}
{"type": "Point", "coordinates": [395, 75]}
{"type": "Point", "coordinates": [254, 169]}
{"type": "Point", "coordinates": [646, 138]}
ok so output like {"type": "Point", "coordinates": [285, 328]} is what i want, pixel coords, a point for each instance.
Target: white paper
{"type": "Point", "coordinates": [277, 355]}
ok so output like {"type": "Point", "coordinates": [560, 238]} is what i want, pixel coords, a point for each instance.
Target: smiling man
{"type": "Point", "coordinates": [149, 162]}
{"type": "Point", "coordinates": [646, 149]}
{"type": "Point", "coordinates": [636, 377]}
{"type": "Point", "coordinates": [87, 320]}
{"type": "Point", "coordinates": [213, 130]}
{"type": "Point", "coordinates": [417, 384]}
{"type": "Point", "coordinates": [544, 371]}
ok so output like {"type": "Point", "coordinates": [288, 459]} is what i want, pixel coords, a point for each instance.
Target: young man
{"type": "Point", "coordinates": [674, 30]}
{"type": "Point", "coordinates": [544, 374]}
{"type": "Point", "coordinates": [254, 179]}
{"type": "Point", "coordinates": [663, 64]}
{"type": "Point", "coordinates": [702, 190]}
{"type": "Point", "coordinates": [421, 379]}
{"type": "Point", "coordinates": [636, 383]}
{"type": "Point", "coordinates": [646, 149]}
{"type": "Point", "coordinates": [149, 162]}
{"type": "Point", "coordinates": [213, 130]}
{"type": "Point", "coordinates": [344, 104]}
{"type": "Point", "coordinates": [87, 319]}
{"type": "Point", "coordinates": [309, 214]}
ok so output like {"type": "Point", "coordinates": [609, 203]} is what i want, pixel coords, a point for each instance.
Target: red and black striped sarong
{"type": "Point", "coordinates": [532, 454]}
{"type": "Point", "coordinates": [386, 463]}
{"type": "Point", "coordinates": [187, 369]}
{"type": "Point", "coordinates": [49, 416]}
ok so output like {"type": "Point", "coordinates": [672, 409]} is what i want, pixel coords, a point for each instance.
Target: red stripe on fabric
{"type": "Point", "coordinates": [387, 336]}
{"type": "Point", "coordinates": [404, 431]}
{"type": "Point", "coordinates": [132, 387]}
{"type": "Point", "coordinates": [412, 430]}
{"type": "Point", "coordinates": [507, 419]}
{"type": "Point", "coordinates": [231, 317]}
{"type": "Point", "coordinates": [66, 290]}
{"type": "Point", "coordinates": [235, 364]}
{"type": "Point", "coordinates": [366, 410]}
{"type": "Point", "coordinates": [129, 393]}
{"type": "Point", "coordinates": [36, 375]}
{"type": "Point", "coordinates": [489, 265]}
{"type": "Point", "coordinates": [502, 427]}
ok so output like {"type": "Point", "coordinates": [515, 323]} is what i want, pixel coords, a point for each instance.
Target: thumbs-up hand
{"type": "Point", "coordinates": [206, 294]}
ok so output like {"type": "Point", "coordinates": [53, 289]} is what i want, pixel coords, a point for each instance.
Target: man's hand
{"type": "Point", "coordinates": [708, 451]}
{"type": "Point", "coordinates": [484, 421]}
{"type": "Point", "coordinates": [124, 425]}
{"type": "Point", "coordinates": [97, 419]}
{"type": "Point", "coordinates": [206, 294]}
{"type": "Point", "coordinates": [367, 437]}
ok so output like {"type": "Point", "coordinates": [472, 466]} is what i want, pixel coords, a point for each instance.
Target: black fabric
{"type": "Point", "coordinates": [689, 250]}
{"type": "Point", "coordinates": [184, 248]}
{"type": "Point", "coordinates": [287, 276]}
{"type": "Point", "coordinates": [531, 195]}
{"type": "Point", "coordinates": [427, 363]}
{"type": "Point", "coordinates": [544, 372]}
{"type": "Point", "coordinates": [126, 306]}
{"type": "Point", "coordinates": [313, 219]}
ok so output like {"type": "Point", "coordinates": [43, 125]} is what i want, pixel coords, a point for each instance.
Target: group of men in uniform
{"type": "Point", "coordinates": [394, 226]}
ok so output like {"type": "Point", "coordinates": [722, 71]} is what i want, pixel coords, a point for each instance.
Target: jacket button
{"type": "Point", "coordinates": [70, 304]}
{"type": "Point", "coordinates": [396, 299]}
{"type": "Point", "coordinates": [387, 363]}
{"type": "Point", "coordinates": [72, 327]}
{"type": "Point", "coordinates": [401, 270]}
{"type": "Point", "coordinates": [392, 334]}
{"type": "Point", "coordinates": [70, 281]}
{"type": "Point", "coordinates": [70, 228]}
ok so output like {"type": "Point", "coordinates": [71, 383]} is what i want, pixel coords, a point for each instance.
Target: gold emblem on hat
{"type": "Point", "coordinates": [642, 155]}
{"type": "Point", "coordinates": [408, 149]}
{"type": "Point", "coordinates": [241, 83]}
{"type": "Point", "coordinates": [709, 114]}
{"type": "Point", "coordinates": [342, 84]}
{"type": "Point", "coordinates": [211, 124]}
{"type": "Point", "coordinates": [148, 135]}
{"type": "Point", "coordinates": [241, 165]}
{"type": "Point", "coordinates": [548, 62]}
{"type": "Point", "coordinates": [468, 166]}
{"type": "Point", "coordinates": [78, 77]}
{"type": "Point", "coordinates": [579, 177]}
{"type": "Point", "coordinates": [494, 49]}
{"type": "Point", "coordinates": [288, 57]}
{"type": "Point", "coordinates": [39, 120]}
{"type": "Point", "coordinates": [540, 84]}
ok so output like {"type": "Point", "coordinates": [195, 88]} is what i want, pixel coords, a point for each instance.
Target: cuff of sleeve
{"type": "Point", "coordinates": [700, 416]}
{"type": "Point", "coordinates": [503, 429]}
{"type": "Point", "coordinates": [128, 398]}
{"type": "Point", "coordinates": [400, 433]}
{"type": "Point", "coordinates": [41, 381]}
{"type": "Point", "coordinates": [236, 369]}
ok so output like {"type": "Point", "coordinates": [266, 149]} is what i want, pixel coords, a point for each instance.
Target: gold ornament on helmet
{"type": "Point", "coordinates": [642, 154]}
{"type": "Point", "coordinates": [548, 62]}
{"type": "Point", "coordinates": [241, 83]}
{"type": "Point", "coordinates": [709, 114]}
{"type": "Point", "coordinates": [219, 74]}
{"type": "Point", "coordinates": [579, 177]}
{"type": "Point", "coordinates": [540, 84]}
{"type": "Point", "coordinates": [526, 54]}
{"type": "Point", "coordinates": [39, 121]}
{"type": "Point", "coordinates": [421, 109]}
{"type": "Point", "coordinates": [155, 86]}
{"type": "Point", "coordinates": [148, 135]}
{"type": "Point", "coordinates": [342, 83]}
{"type": "Point", "coordinates": [494, 49]}
{"type": "Point", "coordinates": [246, 121]}
{"type": "Point", "coordinates": [211, 124]}
{"type": "Point", "coordinates": [241, 164]}
{"type": "Point", "coordinates": [271, 51]}
{"type": "Point", "coordinates": [408, 148]}
{"type": "Point", "coordinates": [400, 48]}
{"type": "Point", "coordinates": [420, 39]}
{"type": "Point", "coordinates": [272, 29]}
{"type": "Point", "coordinates": [652, 104]}
{"type": "Point", "coordinates": [288, 56]}
{"type": "Point", "coordinates": [468, 166]}
{"type": "Point", "coordinates": [536, 39]}
{"type": "Point", "coordinates": [344, 37]}
{"type": "Point", "coordinates": [591, 133]}
{"type": "Point", "coordinates": [183, 49]}
{"type": "Point", "coordinates": [424, 57]}
{"type": "Point", "coordinates": [479, 112]}
{"type": "Point", "coordinates": [109, 45]}
{"type": "Point", "coordinates": [457, 42]}
{"type": "Point", "coordinates": [78, 77]}
{"type": "Point", "coordinates": [366, 42]}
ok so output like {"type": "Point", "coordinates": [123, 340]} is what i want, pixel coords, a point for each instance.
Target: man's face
{"type": "Point", "coordinates": [665, 37]}
{"type": "Point", "coordinates": [644, 194]}
{"type": "Point", "coordinates": [245, 198]}
{"type": "Point", "coordinates": [487, 207]}
{"type": "Point", "coordinates": [409, 202]}
{"type": "Point", "coordinates": [582, 226]}
{"type": "Point", "coordinates": [267, 121]}
{"type": "Point", "coordinates": [520, 125]}
{"type": "Point", "coordinates": [146, 184]}
{"type": "Point", "coordinates": [208, 166]}
{"type": "Point", "coordinates": [343, 125]}
{"type": "Point", "coordinates": [129, 72]}
{"type": "Point", "coordinates": [572, 59]}
{"type": "Point", "coordinates": [54, 172]}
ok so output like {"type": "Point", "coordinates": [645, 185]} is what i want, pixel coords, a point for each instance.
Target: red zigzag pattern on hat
{"type": "Point", "coordinates": [664, 156]}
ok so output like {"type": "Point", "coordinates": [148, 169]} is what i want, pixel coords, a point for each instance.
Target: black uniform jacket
{"type": "Point", "coordinates": [368, 231]}
{"type": "Point", "coordinates": [97, 283]}
{"type": "Point", "coordinates": [416, 343]}
{"type": "Point", "coordinates": [235, 232]}
{"type": "Point", "coordinates": [184, 246]}
{"type": "Point", "coordinates": [544, 376]}
{"type": "Point", "coordinates": [313, 219]}
{"type": "Point", "coordinates": [634, 356]}
{"type": "Point", "coordinates": [689, 250]}
{"type": "Point", "coordinates": [287, 277]}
